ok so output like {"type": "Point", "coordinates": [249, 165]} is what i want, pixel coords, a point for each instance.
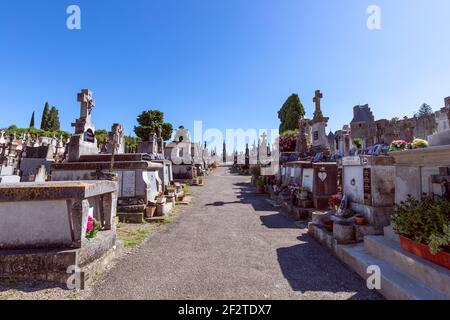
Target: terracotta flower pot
{"type": "Point", "coordinates": [150, 212]}
{"type": "Point", "coordinates": [360, 220]}
{"type": "Point", "coordinates": [421, 250]}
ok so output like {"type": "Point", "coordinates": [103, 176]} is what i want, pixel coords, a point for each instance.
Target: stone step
{"type": "Point", "coordinates": [389, 233]}
{"type": "Point", "coordinates": [131, 217]}
{"type": "Point", "coordinates": [395, 285]}
{"type": "Point", "coordinates": [430, 274]}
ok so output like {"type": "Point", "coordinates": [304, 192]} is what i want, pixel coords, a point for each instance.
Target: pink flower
{"type": "Point", "coordinates": [90, 224]}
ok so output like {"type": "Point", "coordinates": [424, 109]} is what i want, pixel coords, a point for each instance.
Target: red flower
{"type": "Point", "coordinates": [90, 224]}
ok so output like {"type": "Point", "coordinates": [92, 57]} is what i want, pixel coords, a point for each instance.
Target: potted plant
{"type": "Point", "coordinates": [424, 228]}
{"type": "Point", "coordinates": [160, 199]}
{"type": "Point", "coordinates": [360, 220]}
{"type": "Point", "coordinates": [260, 185]}
{"type": "Point", "coordinates": [150, 211]}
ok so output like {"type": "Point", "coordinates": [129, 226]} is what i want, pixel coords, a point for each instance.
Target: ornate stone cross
{"type": "Point", "coordinates": [316, 100]}
{"type": "Point", "coordinates": [87, 103]}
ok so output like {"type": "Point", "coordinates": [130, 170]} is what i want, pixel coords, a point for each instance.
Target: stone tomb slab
{"type": "Point", "coordinates": [53, 214]}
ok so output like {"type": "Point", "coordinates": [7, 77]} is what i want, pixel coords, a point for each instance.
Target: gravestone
{"type": "Point", "coordinates": [421, 171]}
{"type": "Point", "coordinates": [116, 141]}
{"type": "Point", "coordinates": [34, 158]}
{"type": "Point", "coordinates": [83, 142]}
{"type": "Point", "coordinates": [318, 128]}
{"type": "Point", "coordinates": [43, 228]}
{"type": "Point", "coordinates": [41, 175]}
{"type": "Point", "coordinates": [325, 183]}
{"type": "Point", "coordinates": [368, 182]}
{"type": "Point", "coordinates": [181, 153]}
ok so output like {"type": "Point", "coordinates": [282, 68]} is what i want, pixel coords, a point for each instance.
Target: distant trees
{"type": "Point", "coordinates": [50, 119]}
{"type": "Point", "coordinates": [53, 122]}
{"type": "Point", "coordinates": [102, 136]}
{"type": "Point", "coordinates": [290, 113]}
{"type": "Point", "coordinates": [45, 116]}
{"type": "Point", "coordinates": [32, 121]}
{"type": "Point", "coordinates": [425, 110]}
{"type": "Point", "coordinates": [34, 132]}
{"type": "Point", "coordinates": [150, 121]}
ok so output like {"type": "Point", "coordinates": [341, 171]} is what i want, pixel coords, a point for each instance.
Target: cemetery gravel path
{"type": "Point", "coordinates": [230, 244]}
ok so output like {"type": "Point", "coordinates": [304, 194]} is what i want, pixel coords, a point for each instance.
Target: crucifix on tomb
{"type": "Point", "coordinates": [86, 102]}
{"type": "Point", "coordinates": [318, 96]}
{"type": "Point", "coordinates": [116, 135]}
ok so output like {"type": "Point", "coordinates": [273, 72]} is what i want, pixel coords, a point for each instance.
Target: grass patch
{"type": "Point", "coordinates": [133, 235]}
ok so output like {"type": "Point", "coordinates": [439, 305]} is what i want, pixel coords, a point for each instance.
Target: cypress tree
{"type": "Point", "coordinates": [290, 113]}
{"type": "Point", "coordinates": [53, 121]}
{"type": "Point", "coordinates": [32, 121]}
{"type": "Point", "coordinates": [45, 117]}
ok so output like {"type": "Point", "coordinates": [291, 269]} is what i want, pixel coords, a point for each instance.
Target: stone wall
{"type": "Point", "coordinates": [385, 131]}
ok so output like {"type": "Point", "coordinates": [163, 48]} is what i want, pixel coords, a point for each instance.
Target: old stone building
{"type": "Point", "coordinates": [371, 132]}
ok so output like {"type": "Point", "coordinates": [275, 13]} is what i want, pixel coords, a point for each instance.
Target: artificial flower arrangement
{"type": "Point", "coordinates": [93, 227]}
{"type": "Point", "coordinates": [419, 143]}
{"type": "Point", "coordinates": [335, 201]}
{"type": "Point", "coordinates": [398, 145]}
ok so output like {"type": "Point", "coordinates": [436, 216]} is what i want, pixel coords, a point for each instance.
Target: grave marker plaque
{"type": "Point", "coordinates": [367, 177]}
{"type": "Point", "coordinates": [128, 184]}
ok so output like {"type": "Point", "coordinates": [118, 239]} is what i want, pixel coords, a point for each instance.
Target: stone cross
{"type": "Point", "coordinates": [316, 100]}
{"type": "Point", "coordinates": [264, 138]}
{"type": "Point", "coordinates": [87, 103]}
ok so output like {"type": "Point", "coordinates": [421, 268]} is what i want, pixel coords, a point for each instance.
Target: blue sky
{"type": "Point", "coordinates": [229, 63]}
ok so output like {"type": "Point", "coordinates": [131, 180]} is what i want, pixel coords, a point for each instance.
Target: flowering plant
{"type": "Point", "coordinates": [419, 143]}
{"type": "Point", "coordinates": [288, 143]}
{"type": "Point", "coordinates": [335, 200]}
{"type": "Point", "coordinates": [398, 145]}
{"type": "Point", "coordinates": [93, 227]}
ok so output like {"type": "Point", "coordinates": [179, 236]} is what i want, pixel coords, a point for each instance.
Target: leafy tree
{"type": "Point", "coordinates": [13, 129]}
{"type": "Point", "coordinates": [425, 109]}
{"type": "Point", "coordinates": [131, 143]}
{"type": "Point", "coordinates": [102, 136]}
{"type": "Point", "coordinates": [150, 121]}
{"type": "Point", "coordinates": [32, 121]}
{"type": "Point", "coordinates": [45, 117]}
{"type": "Point", "coordinates": [53, 121]}
{"type": "Point", "coordinates": [290, 113]}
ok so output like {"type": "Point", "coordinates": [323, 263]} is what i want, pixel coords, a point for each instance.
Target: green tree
{"type": "Point", "coordinates": [131, 143]}
{"type": "Point", "coordinates": [425, 109]}
{"type": "Point", "coordinates": [45, 117]}
{"type": "Point", "coordinates": [32, 121]}
{"type": "Point", "coordinates": [53, 120]}
{"type": "Point", "coordinates": [102, 136]}
{"type": "Point", "coordinates": [150, 121]}
{"type": "Point", "coordinates": [290, 113]}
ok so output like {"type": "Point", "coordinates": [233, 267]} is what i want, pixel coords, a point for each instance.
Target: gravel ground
{"type": "Point", "coordinates": [230, 244]}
